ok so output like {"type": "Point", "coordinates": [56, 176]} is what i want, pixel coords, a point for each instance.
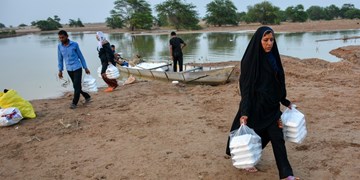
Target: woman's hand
{"type": "Point", "coordinates": [290, 106]}
{"type": "Point", "coordinates": [243, 120]}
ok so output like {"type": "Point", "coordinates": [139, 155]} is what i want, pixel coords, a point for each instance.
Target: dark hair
{"type": "Point", "coordinates": [173, 33]}
{"type": "Point", "coordinates": [62, 32]}
{"type": "Point", "coordinates": [268, 32]}
{"type": "Point", "coordinates": [113, 46]}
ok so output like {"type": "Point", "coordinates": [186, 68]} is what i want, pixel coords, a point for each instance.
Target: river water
{"type": "Point", "coordinates": [28, 63]}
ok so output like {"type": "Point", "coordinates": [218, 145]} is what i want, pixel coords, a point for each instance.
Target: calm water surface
{"type": "Point", "coordinates": [29, 63]}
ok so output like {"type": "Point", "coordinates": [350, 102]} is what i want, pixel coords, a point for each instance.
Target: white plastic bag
{"type": "Point", "coordinates": [10, 116]}
{"type": "Point", "coordinates": [112, 72]}
{"type": "Point", "coordinates": [245, 147]}
{"type": "Point", "coordinates": [294, 125]}
{"type": "Point", "coordinates": [99, 71]}
{"type": "Point", "coordinates": [89, 84]}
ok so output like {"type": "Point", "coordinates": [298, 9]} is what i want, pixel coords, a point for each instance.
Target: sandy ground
{"type": "Point", "coordinates": [157, 130]}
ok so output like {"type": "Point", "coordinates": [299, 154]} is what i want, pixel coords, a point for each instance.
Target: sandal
{"type": "Point", "coordinates": [251, 170]}
{"type": "Point", "coordinates": [291, 178]}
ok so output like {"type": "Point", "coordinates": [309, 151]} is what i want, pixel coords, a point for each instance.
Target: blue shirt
{"type": "Point", "coordinates": [72, 56]}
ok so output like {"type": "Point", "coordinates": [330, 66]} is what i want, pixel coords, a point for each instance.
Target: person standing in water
{"type": "Point", "coordinates": [106, 56]}
{"type": "Point", "coordinates": [262, 87]}
{"type": "Point", "coordinates": [69, 52]}
{"type": "Point", "coordinates": [176, 46]}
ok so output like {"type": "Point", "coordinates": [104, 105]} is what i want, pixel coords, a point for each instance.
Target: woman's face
{"type": "Point", "coordinates": [267, 42]}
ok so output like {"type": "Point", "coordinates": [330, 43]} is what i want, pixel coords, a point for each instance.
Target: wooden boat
{"type": "Point", "coordinates": [191, 74]}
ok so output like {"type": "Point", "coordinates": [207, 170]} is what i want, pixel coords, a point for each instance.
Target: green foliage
{"type": "Point", "coordinates": [2, 25]}
{"type": "Point", "coordinates": [345, 8]}
{"type": "Point", "coordinates": [7, 32]}
{"type": "Point", "coordinates": [352, 14]}
{"type": "Point", "coordinates": [221, 12]}
{"type": "Point", "coordinates": [114, 22]}
{"type": "Point", "coordinates": [178, 14]}
{"type": "Point", "coordinates": [22, 25]}
{"type": "Point", "coordinates": [296, 14]}
{"type": "Point", "coordinates": [315, 13]}
{"type": "Point", "coordinates": [77, 23]}
{"type": "Point", "coordinates": [282, 16]}
{"type": "Point", "coordinates": [331, 12]}
{"type": "Point", "coordinates": [134, 13]}
{"type": "Point", "coordinates": [49, 24]}
{"type": "Point", "coordinates": [240, 16]}
{"type": "Point", "coordinates": [264, 12]}
{"type": "Point", "coordinates": [141, 21]}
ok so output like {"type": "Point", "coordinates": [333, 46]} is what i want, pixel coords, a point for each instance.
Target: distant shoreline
{"type": "Point", "coordinates": [310, 26]}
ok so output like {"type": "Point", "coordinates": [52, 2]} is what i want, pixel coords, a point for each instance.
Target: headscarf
{"type": "Point", "coordinates": [252, 63]}
{"type": "Point", "coordinates": [101, 39]}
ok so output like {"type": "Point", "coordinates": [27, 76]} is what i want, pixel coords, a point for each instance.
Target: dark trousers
{"type": "Point", "coordinates": [110, 82]}
{"type": "Point", "coordinates": [76, 79]}
{"type": "Point", "coordinates": [178, 59]}
{"type": "Point", "coordinates": [274, 135]}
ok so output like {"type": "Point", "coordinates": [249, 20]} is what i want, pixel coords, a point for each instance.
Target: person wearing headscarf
{"type": "Point", "coordinates": [106, 56]}
{"type": "Point", "coordinates": [262, 87]}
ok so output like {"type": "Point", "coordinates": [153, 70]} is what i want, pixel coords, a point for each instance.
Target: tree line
{"type": "Point", "coordinates": [50, 24]}
{"type": "Point", "coordinates": [137, 14]}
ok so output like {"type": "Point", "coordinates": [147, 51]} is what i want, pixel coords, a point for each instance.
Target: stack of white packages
{"type": "Point", "coordinates": [89, 84]}
{"type": "Point", "coordinates": [112, 72]}
{"type": "Point", "coordinates": [245, 147]}
{"type": "Point", "coordinates": [294, 126]}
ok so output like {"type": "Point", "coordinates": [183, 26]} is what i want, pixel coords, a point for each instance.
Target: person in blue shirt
{"type": "Point", "coordinates": [69, 52]}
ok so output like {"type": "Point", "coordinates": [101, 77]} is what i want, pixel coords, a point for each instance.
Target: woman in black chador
{"type": "Point", "coordinates": [262, 86]}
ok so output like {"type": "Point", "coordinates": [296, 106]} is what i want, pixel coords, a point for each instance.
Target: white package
{"type": "Point", "coordinates": [10, 116]}
{"type": "Point", "coordinates": [89, 84]}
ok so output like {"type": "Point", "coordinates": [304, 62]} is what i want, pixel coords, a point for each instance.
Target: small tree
{"type": "Point", "coordinates": [345, 8]}
{"type": "Point", "coordinates": [331, 12]}
{"type": "Point", "coordinates": [240, 16]}
{"type": "Point", "coordinates": [296, 14]}
{"type": "Point", "coordinates": [2, 25]}
{"type": "Point", "coordinates": [221, 12]}
{"type": "Point", "coordinates": [49, 24]}
{"type": "Point", "coordinates": [316, 13]}
{"type": "Point", "coordinates": [77, 23]}
{"type": "Point", "coordinates": [134, 13]}
{"type": "Point", "coordinates": [114, 22]}
{"type": "Point", "coordinates": [178, 14]}
{"type": "Point", "coordinates": [352, 14]}
{"type": "Point", "coordinates": [22, 25]}
{"type": "Point", "coordinates": [264, 12]}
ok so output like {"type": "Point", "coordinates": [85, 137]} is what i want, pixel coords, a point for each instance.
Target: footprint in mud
{"type": "Point", "coordinates": [302, 148]}
{"type": "Point", "coordinates": [108, 166]}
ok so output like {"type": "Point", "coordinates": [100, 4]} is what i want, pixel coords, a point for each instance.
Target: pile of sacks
{"type": "Point", "coordinates": [245, 147]}
{"type": "Point", "coordinates": [112, 72]}
{"type": "Point", "coordinates": [89, 84]}
{"type": "Point", "coordinates": [294, 126]}
{"type": "Point", "coordinates": [14, 108]}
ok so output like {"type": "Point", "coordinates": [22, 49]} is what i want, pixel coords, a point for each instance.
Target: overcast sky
{"type": "Point", "coordinates": [15, 12]}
